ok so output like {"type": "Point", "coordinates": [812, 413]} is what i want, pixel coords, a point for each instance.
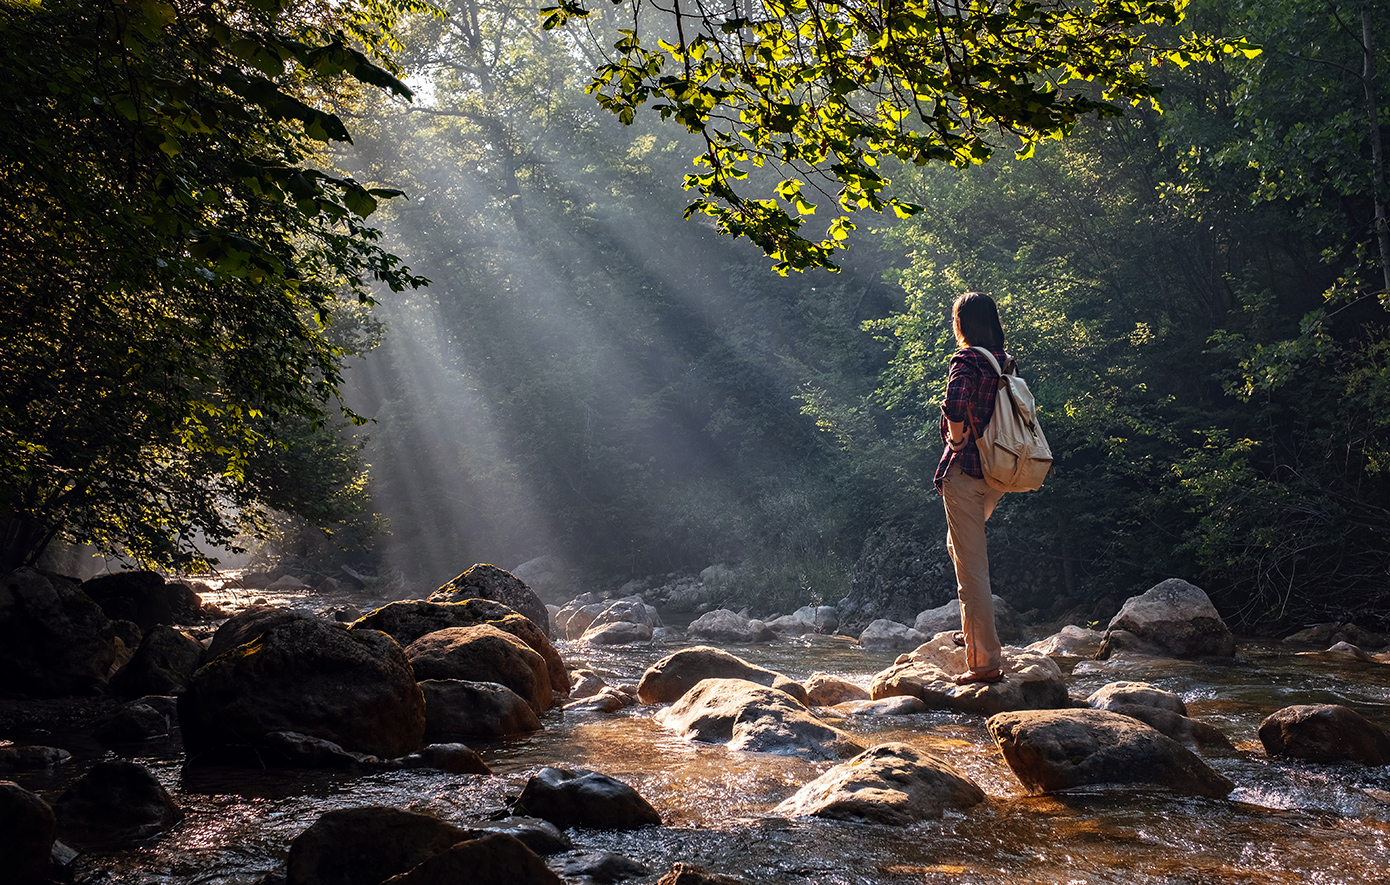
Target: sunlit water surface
{"type": "Point", "coordinates": [1286, 822]}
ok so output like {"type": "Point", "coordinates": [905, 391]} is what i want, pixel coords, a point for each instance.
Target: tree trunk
{"type": "Point", "coordinates": [1368, 70]}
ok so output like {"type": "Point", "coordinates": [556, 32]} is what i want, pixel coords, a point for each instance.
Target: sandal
{"type": "Point", "coordinates": [970, 676]}
{"type": "Point", "coordinates": [958, 638]}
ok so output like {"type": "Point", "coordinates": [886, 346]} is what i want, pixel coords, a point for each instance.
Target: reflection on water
{"type": "Point", "coordinates": [1286, 822]}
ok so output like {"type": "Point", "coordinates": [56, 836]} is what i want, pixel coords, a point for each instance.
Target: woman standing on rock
{"type": "Point", "coordinates": [970, 391]}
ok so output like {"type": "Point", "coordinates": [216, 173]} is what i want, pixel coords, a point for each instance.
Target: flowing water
{"type": "Point", "coordinates": [1286, 822]}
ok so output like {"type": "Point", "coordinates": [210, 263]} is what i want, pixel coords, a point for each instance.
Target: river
{"type": "Point", "coordinates": [1286, 822]}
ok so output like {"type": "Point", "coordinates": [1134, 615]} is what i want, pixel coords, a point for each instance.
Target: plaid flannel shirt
{"type": "Point", "coordinates": [971, 387]}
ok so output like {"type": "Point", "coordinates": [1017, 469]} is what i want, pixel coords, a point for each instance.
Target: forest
{"type": "Point", "coordinates": [412, 286]}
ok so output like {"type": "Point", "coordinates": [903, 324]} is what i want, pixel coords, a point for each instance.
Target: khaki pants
{"type": "Point", "coordinates": [969, 503]}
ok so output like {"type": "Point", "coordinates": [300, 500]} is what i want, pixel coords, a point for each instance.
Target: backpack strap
{"type": "Point", "coordinates": [994, 363]}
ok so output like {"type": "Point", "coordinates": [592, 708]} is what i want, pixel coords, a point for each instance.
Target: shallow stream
{"type": "Point", "coordinates": [1286, 821]}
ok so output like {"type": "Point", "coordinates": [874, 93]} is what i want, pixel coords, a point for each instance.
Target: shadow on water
{"type": "Point", "coordinates": [1286, 822]}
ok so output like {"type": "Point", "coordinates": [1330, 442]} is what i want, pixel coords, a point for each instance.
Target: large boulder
{"type": "Point", "coordinates": [1325, 733]}
{"type": "Point", "coordinates": [162, 665]}
{"type": "Point", "coordinates": [145, 598]}
{"type": "Point", "coordinates": [490, 859]}
{"type": "Point", "coordinates": [27, 831]}
{"type": "Point", "coordinates": [1008, 623]}
{"type": "Point", "coordinates": [484, 581]}
{"type": "Point", "coordinates": [1122, 694]}
{"type": "Point", "coordinates": [571, 620]}
{"type": "Point", "coordinates": [617, 633]}
{"type": "Point", "coordinates": [746, 716]}
{"type": "Point", "coordinates": [885, 634]}
{"type": "Point", "coordinates": [365, 846]}
{"type": "Point", "coordinates": [1031, 681]}
{"type": "Point", "coordinates": [798, 623]}
{"type": "Point", "coordinates": [354, 688]}
{"type": "Point", "coordinates": [54, 640]}
{"type": "Point", "coordinates": [1052, 750]}
{"type": "Point", "coordinates": [459, 708]}
{"type": "Point", "coordinates": [1174, 619]}
{"type": "Point", "coordinates": [247, 625]}
{"type": "Point", "coordinates": [677, 673]}
{"type": "Point", "coordinates": [483, 653]}
{"type": "Point", "coordinates": [407, 621]}
{"type": "Point", "coordinates": [541, 836]}
{"type": "Point", "coordinates": [825, 690]}
{"type": "Point", "coordinates": [583, 798]}
{"type": "Point", "coordinates": [894, 784]}
{"type": "Point", "coordinates": [723, 625]}
{"type": "Point", "coordinates": [115, 803]}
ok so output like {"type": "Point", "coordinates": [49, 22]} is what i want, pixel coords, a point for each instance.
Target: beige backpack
{"type": "Point", "coordinates": [1013, 451]}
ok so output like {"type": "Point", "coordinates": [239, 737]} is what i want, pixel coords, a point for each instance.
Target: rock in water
{"type": "Point", "coordinates": [408, 621]}
{"type": "Point", "coordinates": [1172, 618]}
{"type": "Point", "coordinates": [583, 798]}
{"type": "Point", "coordinates": [541, 836]}
{"type": "Point", "coordinates": [1070, 641]}
{"type": "Point", "coordinates": [883, 633]}
{"type": "Point", "coordinates": [364, 846]}
{"type": "Point", "coordinates": [355, 689]}
{"type": "Point", "coordinates": [894, 784]}
{"type": "Point", "coordinates": [456, 707]}
{"type": "Point", "coordinates": [483, 653]}
{"type": "Point", "coordinates": [54, 640]}
{"type": "Point", "coordinates": [493, 859]}
{"type": "Point", "coordinates": [115, 803]}
{"type": "Point", "coordinates": [824, 690]}
{"type": "Point", "coordinates": [722, 625]}
{"type": "Point", "coordinates": [27, 831]}
{"type": "Point", "coordinates": [248, 625]}
{"type": "Point", "coordinates": [484, 581]}
{"type": "Point", "coordinates": [677, 673]}
{"type": "Point", "coordinates": [598, 866]}
{"type": "Point", "coordinates": [1325, 733]}
{"type": "Point", "coordinates": [162, 665]}
{"type": "Point", "coordinates": [754, 718]}
{"type": "Point", "coordinates": [1032, 681]}
{"type": "Point", "coordinates": [1052, 750]}
{"type": "Point", "coordinates": [145, 598]}
{"type": "Point", "coordinates": [690, 874]}
{"type": "Point", "coordinates": [1118, 694]}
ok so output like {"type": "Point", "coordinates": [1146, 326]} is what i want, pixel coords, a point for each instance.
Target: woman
{"type": "Point", "coordinates": [970, 391]}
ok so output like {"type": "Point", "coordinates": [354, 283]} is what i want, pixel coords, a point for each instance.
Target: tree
{"type": "Point", "coordinates": [825, 93]}
{"type": "Point", "coordinates": [174, 250]}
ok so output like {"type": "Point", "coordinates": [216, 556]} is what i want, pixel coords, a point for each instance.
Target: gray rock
{"type": "Point", "coordinates": [484, 581]}
{"type": "Point", "coordinates": [541, 836]}
{"type": "Point", "coordinates": [827, 619]}
{"type": "Point", "coordinates": [945, 618]}
{"type": "Point", "coordinates": [884, 633]}
{"type": "Point", "coordinates": [754, 718]}
{"type": "Point", "coordinates": [483, 654]}
{"type": "Point", "coordinates": [132, 722]}
{"type": "Point", "coordinates": [583, 798]}
{"type": "Point", "coordinates": [1070, 641]}
{"type": "Point", "coordinates": [677, 673]}
{"type": "Point", "coordinates": [289, 749]}
{"type": "Point", "coordinates": [825, 690]}
{"type": "Point", "coordinates": [145, 598]}
{"type": "Point", "coordinates": [1116, 694]}
{"type": "Point", "coordinates": [465, 708]}
{"type": "Point", "coordinates": [363, 846]}
{"type": "Point", "coordinates": [54, 639]}
{"type": "Point", "coordinates": [162, 665]}
{"type": "Point", "coordinates": [618, 633]}
{"type": "Point", "coordinates": [1031, 681]}
{"type": "Point", "coordinates": [599, 867]}
{"type": "Point", "coordinates": [490, 859]}
{"type": "Point", "coordinates": [722, 625]}
{"type": "Point", "coordinates": [1051, 750]}
{"type": "Point", "coordinates": [31, 758]}
{"type": "Point", "coordinates": [115, 803]}
{"type": "Point", "coordinates": [454, 758]}
{"type": "Point", "coordinates": [1172, 618]}
{"type": "Point", "coordinates": [894, 784]}
{"type": "Point", "coordinates": [1325, 733]}
{"type": "Point", "coordinates": [901, 705]}
{"type": "Point", "coordinates": [27, 831]}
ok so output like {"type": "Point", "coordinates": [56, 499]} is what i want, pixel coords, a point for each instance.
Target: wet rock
{"type": "Point", "coordinates": [54, 640]}
{"type": "Point", "coordinates": [621, 633]}
{"type": "Point", "coordinates": [1351, 651]}
{"type": "Point", "coordinates": [289, 749]}
{"type": "Point", "coordinates": [1070, 641]}
{"type": "Point", "coordinates": [305, 675]}
{"type": "Point", "coordinates": [1325, 733]}
{"type": "Point", "coordinates": [541, 836]}
{"type": "Point", "coordinates": [754, 718]}
{"type": "Point", "coordinates": [1117, 694]}
{"type": "Point", "coordinates": [1008, 623]}
{"type": "Point", "coordinates": [583, 798]}
{"type": "Point", "coordinates": [145, 598]}
{"type": "Point", "coordinates": [491, 859]}
{"type": "Point", "coordinates": [484, 581]}
{"type": "Point", "coordinates": [690, 874]}
{"type": "Point", "coordinates": [115, 803]}
{"type": "Point", "coordinates": [1050, 750]}
{"type": "Point", "coordinates": [599, 867]}
{"type": "Point", "coordinates": [409, 621]}
{"type": "Point", "coordinates": [824, 690]}
{"type": "Point", "coordinates": [674, 675]}
{"type": "Point", "coordinates": [31, 758]}
{"type": "Point", "coordinates": [1184, 730]}
{"type": "Point", "coordinates": [628, 610]}
{"type": "Point", "coordinates": [484, 653]}
{"type": "Point", "coordinates": [585, 683]}
{"type": "Point", "coordinates": [722, 625]}
{"type": "Point", "coordinates": [798, 623]}
{"type": "Point", "coordinates": [884, 633]}
{"type": "Point", "coordinates": [901, 705]}
{"type": "Point", "coordinates": [895, 784]}
{"type": "Point", "coordinates": [1173, 618]}
{"type": "Point", "coordinates": [27, 831]}
{"type": "Point", "coordinates": [454, 758]}
{"type": "Point", "coordinates": [1330, 634]}
{"type": "Point", "coordinates": [286, 584]}
{"type": "Point", "coordinates": [162, 665]}
{"type": "Point", "coordinates": [575, 616]}
{"type": "Point", "coordinates": [663, 635]}
{"type": "Point", "coordinates": [1032, 681]}
{"type": "Point", "coordinates": [132, 722]}
{"type": "Point", "coordinates": [248, 625]}
{"type": "Point", "coordinates": [610, 700]}
{"type": "Point", "coordinates": [364, 846]}
{"type": "Point", "coordinates": [457, 707]}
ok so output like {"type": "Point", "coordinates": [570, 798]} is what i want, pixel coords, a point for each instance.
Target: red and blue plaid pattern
{"type": "Point", "coordinates": [971, 386]}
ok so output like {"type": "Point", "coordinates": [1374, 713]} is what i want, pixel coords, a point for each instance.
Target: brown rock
{"type": "Point", "coordinates": [115, 803]}
{"type": "Point", "coordinates": [1325, 733]}
{"type": "Point", "coordinates": [491, 859]}
{"type": "Point", "coordinates": [894, 784]}
{"type": "Point", "coordinates": [583, 798]}
{"type": "Point", "coordinates": [27, 831]}
{"type": "Point", "coordinates": [483, 653]}
{"type": "Point", "coordinates": [690, 874]}
{"type": "Point", "coordinates": [677, 673]}
{"type": "Point", "coordinates": [1117, 694]}
{"type": "Point", "coordinates": [1032, 681]}
{"type": "Point", "coordinates": [162, 665]}
{"type": "Point", "coordinates": [54, 640]}
{"type": "Point", "coordinates": [751, 717]}
{"type": "Point", "coordinates": [456, 707]}
{"type": "Point", "coordinates": [824, 690]}
{"type": "Point", "coordinates": [364, 846]}
{"type": "Point", "coordinates": [484, 581]}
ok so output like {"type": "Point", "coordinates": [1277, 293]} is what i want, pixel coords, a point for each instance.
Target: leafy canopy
{"type": "Point", "coordinates": [822, 94]}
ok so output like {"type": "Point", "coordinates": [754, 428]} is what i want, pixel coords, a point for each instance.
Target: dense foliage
{"type": "Point", "coordinates": [173, 252]}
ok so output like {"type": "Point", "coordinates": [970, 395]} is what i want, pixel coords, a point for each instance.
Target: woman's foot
{"type": "Point", "coordinates": [969, 676]}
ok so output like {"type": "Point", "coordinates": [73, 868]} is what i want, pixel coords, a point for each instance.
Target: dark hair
{"type": "Point", "coordinates": [975, 318]}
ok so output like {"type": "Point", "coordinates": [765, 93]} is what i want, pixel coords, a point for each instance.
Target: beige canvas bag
{"type": "Point", "coordinates": [1014, 453]}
